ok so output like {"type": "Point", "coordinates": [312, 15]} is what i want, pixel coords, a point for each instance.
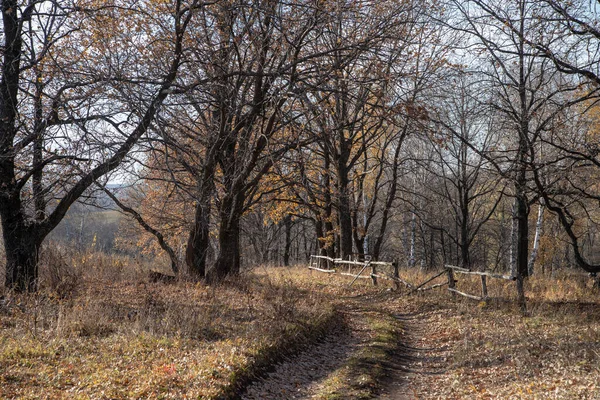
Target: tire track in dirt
{"type": "Point", "coordinates": [416, 358]}
{"type": "Point", "coordinates": [299, 377]}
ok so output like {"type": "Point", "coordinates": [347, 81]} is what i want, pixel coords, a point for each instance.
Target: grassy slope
{"type": "Point", "coordinates": [141, 340]}
{"type": "Point", "coordinates": [489, 350]}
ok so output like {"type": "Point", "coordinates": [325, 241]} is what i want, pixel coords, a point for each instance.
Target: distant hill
{"type": "Point", "coordinates": [92, 221]}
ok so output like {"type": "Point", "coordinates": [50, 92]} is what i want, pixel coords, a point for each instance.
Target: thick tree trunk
{"type": "Point", "coordinates": [22, 251]}
{"type": "Point", "coordinates": [198, 241]}
{"type": "Point", "coordinates": [522, 239]}
{"type": "Point", "coordinates": [345, 218]}
{"type": "Point", "coordinates": [228, 261]}
{"type": "Point", "coordinates": [320, 237]}
{"type": "Point", "coordinates": [343, 198]}
{"type": "Point", "coordinates": [359, 240]}
{"type": "Point", "coordinates": [328, 231]}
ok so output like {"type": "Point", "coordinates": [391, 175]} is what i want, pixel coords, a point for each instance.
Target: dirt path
{"type": "Point", "coordinates": [302, 376]}
{"type": "Point", "coordinates": [416, 359]}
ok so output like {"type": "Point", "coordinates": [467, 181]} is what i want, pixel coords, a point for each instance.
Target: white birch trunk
{"type": "Point", "coordinates": [413, 234]}
{"type": "Point", "coordinates": [536, 240]}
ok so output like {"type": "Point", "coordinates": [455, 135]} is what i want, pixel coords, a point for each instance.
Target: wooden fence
{"type": "Point", "coordinates": [376, 269]}
{"type": "Point", "coordinates": [389, 270]}
{"type": "Point", "coordinates": [451, 270]}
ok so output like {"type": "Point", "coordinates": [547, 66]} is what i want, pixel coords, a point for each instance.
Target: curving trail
{"type": "Point", "coordinates": [417, 358]}
{"type": "Point", "coordinates": [406, 370]}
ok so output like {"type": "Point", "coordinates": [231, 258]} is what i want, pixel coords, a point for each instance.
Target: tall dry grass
{"type": "Point", "coordinates": [99, 328]}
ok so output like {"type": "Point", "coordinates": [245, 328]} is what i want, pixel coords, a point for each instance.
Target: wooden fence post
{"type": "Point", "coordinates": [374, 274]}
{"type": "Point", "coordinates": [396, 275]}
{"type": "Point", "coordinates": [596, 280]}
{"type": "Point", "coordinates": [484, 291]}
{"type": "Point", "coordinates": [451, 281]}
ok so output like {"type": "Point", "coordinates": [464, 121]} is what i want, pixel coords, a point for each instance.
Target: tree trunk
{"type": "Point", "coordinates": [288, 240]}
{"type": "Point", "coordinates": [22, 252]}
{"type": "Point", "coordinates": [228, 261]}
{"type": "Point", "coordinates": [465, 259]}
{"type": "Point", "coordinates": [413, 233]}
{"type": "Point", "coordinates": [343, 198]}
{"type": "Point", "coordinates": [345, 218]}
{"type": "Point", "coordinates": [536, 240]}
{"type": "Point", "coordinates": [330, 248]}
{"type": "Point", "coordinates": [359, 240]}
{"type": "Point", "coordinates": [522, 239]}
{"type": "Point", "coordinates": [197, 246]}
{"type": "Point", "coordinates": [320, 237]}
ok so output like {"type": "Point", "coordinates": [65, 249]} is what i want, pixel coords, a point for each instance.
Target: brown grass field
{"type": "Point", "coordinates": [99, 330]}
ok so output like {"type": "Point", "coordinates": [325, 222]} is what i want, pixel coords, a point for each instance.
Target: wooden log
{"type": "Point", "coordinates": [329, 271]}
{"type": "Point", "coordinates": [350, 262]}
{"type": "Point", "coordinates": [361, 271]}
{"type": "Point", "coordinates": [454, 267]}
{"type": "Point", "coordinates": [484, 273]}
{"type": "Point", "coordinates": [324, 257]}
{"type": "Point", "coordinates": [437, 285]}
{"type": "Point", "coordinates": [382, 263]}
{"type": "Point", "coordinates": [429, 280]}
{"type": "Point", "coordinates": [355, 276]}
{"type": "Point", "coordinates": [470, 296]}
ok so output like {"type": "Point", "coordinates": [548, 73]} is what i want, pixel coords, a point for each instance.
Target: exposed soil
{"type": "Point", "coordinates": [415, 359]}
{"type": "Point", "coordinates": [300, 376]}
{"type": "Point", "coordinates": [305, 375]}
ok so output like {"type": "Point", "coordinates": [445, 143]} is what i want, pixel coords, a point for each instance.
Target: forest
{"type": "Point", "coordinates": [219, 146]}
{"type": "Point", "coordinates": [266, 131]}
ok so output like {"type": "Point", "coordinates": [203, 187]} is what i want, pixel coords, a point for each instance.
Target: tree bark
{"type": "Point", "coordinates": [22, 247]}
{"type": "Point", "coordinates": [344, 214]}
{"type": "Point", "coordinates": [536, 239]}
{"type": "Point", "coordinates": [228, 261]}
{"type": "Point", "coordinates": [198, 241]}
{"type": "Point", "coordinates": [288, 240]}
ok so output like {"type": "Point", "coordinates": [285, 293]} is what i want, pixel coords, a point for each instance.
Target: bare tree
{"type": "Point", "coordinates": [64, 120]}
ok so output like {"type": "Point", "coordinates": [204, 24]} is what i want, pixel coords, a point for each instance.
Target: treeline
{"type": "Point", "coordinates": [265, 131]}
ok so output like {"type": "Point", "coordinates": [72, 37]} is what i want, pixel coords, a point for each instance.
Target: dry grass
{"type": "Point", "coordinates": [490, 351]}
{"type": "Point", "coordinates": [134, 339]}
{"type": "Point", "coordinates": [99, 329]}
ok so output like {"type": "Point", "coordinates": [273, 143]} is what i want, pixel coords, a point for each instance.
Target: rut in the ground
{"type": "Point", "coordinates": [415, 359]}
{"type": "Point", "coordinates": [300, 376]}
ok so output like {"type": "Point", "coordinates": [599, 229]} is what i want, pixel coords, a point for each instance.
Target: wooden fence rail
{"type": "Point", "coordinates": [316, 264]}
{"type": "Point", "coordinates": [451, 269]}
{"type": "Point", "coordinates": [390, 271]}
{"type": "Point", "coordinates": [393, 274]}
